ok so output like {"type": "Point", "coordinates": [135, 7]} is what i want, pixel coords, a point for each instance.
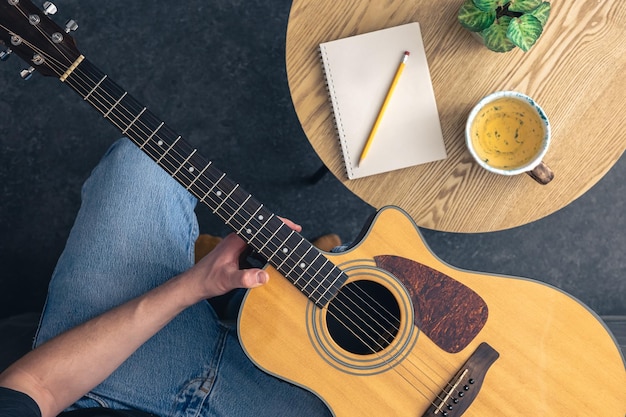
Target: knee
{"type": "Point", "coordinates": [126, 158]}
{"type": "Point", "coordinates": [125, 166]}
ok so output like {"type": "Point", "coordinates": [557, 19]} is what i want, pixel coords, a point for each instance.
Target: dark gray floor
{"type": "Point", "coordinates": [215, 72]}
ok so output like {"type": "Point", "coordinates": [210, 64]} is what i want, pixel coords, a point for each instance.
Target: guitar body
{"type": "Point", "coordinates": [555, 356]}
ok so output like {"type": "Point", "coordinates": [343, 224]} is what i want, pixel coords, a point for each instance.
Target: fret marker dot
{"type": "Point", "coordinates": [261, 217]}
{"type": "Point", "coordinates": [160, 143]}
{"type": "Point", "coordinates": [219, 193]}
{"type": "Point", "coordinates": [285, 250]}
{"type": "Point", "coordinates": [190, 169]}
{"type": "Point", "coordinates": [249, 231]}
{"type": "Point", "coordinates": [302, 265]}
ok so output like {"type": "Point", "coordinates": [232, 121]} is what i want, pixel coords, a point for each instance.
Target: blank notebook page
{"type": "Point", "coordinates": [359, 71]}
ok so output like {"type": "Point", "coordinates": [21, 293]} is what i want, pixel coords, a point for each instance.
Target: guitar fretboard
{"type": "Point", "coordinates": [292, 255]}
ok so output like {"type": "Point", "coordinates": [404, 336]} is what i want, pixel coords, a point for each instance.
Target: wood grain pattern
{"type": "Point", "coordinates": [575, 72]}
{"type": "Point", "coordinates": [555, 357]}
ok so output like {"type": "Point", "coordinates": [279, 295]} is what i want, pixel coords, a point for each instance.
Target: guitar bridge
{"type": "Point", "coordinates": [461, 390]}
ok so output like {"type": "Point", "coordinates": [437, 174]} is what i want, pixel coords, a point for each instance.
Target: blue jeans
{"type": "Point", "coordinates": [136, 229]}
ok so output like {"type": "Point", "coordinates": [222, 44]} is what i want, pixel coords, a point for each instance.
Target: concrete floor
{"type": "Point", "coordinates": [215, 72]}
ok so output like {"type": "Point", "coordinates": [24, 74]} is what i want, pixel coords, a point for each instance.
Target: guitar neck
{"type": "Point", "coordinates": [292, 255]}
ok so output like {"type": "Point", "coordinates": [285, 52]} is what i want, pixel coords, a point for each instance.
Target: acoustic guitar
{"type": "Point", "coordinates": [384, 328]}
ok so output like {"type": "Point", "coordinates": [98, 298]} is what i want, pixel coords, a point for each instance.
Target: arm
{"type": "Point", "coordinates": [60, 371]}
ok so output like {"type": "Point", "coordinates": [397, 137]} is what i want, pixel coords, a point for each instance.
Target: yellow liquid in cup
{"type": "Point", "coordinates": [507, 133]}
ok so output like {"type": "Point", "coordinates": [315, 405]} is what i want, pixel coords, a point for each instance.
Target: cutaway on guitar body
{"type": "Point", "coordinates": [408, 335]}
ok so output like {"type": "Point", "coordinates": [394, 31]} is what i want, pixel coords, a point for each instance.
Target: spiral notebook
{"type": "Point", "coordinates": [359, 70]}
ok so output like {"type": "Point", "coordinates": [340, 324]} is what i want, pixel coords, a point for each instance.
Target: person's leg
{"type": "Point", "coordinates": [242, 390]}
{"type": "Point", "coordinates": [136, 229]}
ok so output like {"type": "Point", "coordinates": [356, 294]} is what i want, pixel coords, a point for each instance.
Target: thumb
{"type": "Point", "coordinates": [252, 278]}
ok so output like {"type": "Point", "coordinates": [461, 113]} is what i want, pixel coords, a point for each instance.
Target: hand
{"type": "Point", "coordinates": [218, 272]}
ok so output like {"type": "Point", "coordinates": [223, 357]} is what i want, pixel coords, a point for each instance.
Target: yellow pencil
{"type": "Point", "coordinates": [381, 113]}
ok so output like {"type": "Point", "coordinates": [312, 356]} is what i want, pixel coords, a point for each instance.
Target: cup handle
{"type": "Point", "coordinates": [542, 173]}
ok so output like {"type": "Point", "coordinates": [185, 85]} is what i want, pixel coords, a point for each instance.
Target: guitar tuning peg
{"type": "Point", "coordinates": [71, 26]}
{"type": "Point", "coordinates": [4, 55]}
{"type": "Point", "coordinates": [27, 73]}
{"type": "Point", "coordinates": [49, 8]}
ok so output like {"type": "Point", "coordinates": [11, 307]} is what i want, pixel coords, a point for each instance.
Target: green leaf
{"type": "Point", "coordinates": [524, 31]}
{"type": "Point", "coordinates": [495, 36]}
{"type": "Point", "coordinates": [524, 6]}
{"type": "Point", "coordinates": [542, 12]}
{"type": "Point", "coordinates": [486, 5]}
{"type": "Point", "coordinates": [474, 19]}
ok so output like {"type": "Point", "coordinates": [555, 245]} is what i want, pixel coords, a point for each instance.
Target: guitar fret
{"type": "Point", "coordinates": [298, 263]}
{"type": "Point", "coordinates": [203, 199]}
{"type": "Point", "coordinates": [106, 115]}
{"type": "Point", "coordinates": [305, 269]}
{"type": "Point", "coordinates": [270, 246]}
{"type": "Point", "coordinates": [134, 120]}
{"type": "Point", "coordinates": [297, 256]}
{"type": "Point", "coordinates": [321, 280]}
{"type": "Point", "coordinates": [261, 228]}
{"type": "Point", "coordinates": [151, 136]}
{"type": "Point", "coordinates": [225, 199]}
{"type": "Point", "coordinates": [198, 176]}
{"type": "Point", "coordinates": [270, 240]}
{"type": "Point", "coordinates": [279, 266]}
{"type": "Point", "coordinates": [327, 295]}
{"type": "Point", "coordinates": [248, 230]}
{"type": "Point", "coordinates": [333, 285]}
{"type": "Point", "coordinates": [158, 161]}
{"type": "Point", "coordinates": [184, 162]}
{"type": "Point", "coordinates": [95, 87]}
{"type": "Point", "coordinates": [237, 211]}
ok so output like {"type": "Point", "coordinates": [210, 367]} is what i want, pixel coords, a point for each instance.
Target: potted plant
{"type": "Point", "coordinates": [504, 24]}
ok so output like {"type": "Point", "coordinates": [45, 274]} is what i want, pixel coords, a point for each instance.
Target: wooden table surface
{"type": "Point", "coordinates": [576, 72]}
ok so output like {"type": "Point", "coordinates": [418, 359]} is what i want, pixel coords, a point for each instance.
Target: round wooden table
{"type": "Point", "coordinates": [575, 71]}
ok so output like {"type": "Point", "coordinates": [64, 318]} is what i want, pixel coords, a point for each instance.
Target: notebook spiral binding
{"type": "Point", "coordinates": [336, 116]}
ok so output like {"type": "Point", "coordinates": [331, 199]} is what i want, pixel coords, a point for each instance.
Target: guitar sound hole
{"type": "Point", "coordinates": [363, 318]}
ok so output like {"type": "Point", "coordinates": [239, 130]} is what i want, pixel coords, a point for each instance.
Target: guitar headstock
{"type": "Point", "coordinates": [28, 32]}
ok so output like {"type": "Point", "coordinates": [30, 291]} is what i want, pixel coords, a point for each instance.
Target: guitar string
{"type": "Point", "coordinates": [144, 132]}
{"type": "Point", "coordinates": [343, 312]}
{"type": "Point", "coordinates": [369, 344]}
{"type": "Point", "coordinates": [173, 174]}
{"type": "Point", "coordinates": [344, 304]}
{"type": "Point", "coordinates": [227, 202]}
{"type": "Point", "coordinates": [392, 335]}
{"type": "Point", "coordinates": [373, 319]}
{"type": "Point", "coordinates": [384, 318]}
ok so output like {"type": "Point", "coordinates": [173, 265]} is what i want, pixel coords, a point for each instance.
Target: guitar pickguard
{"type": "Point", "coordinates": [448, 312]}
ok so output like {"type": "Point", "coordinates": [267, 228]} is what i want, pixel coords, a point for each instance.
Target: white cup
{"type": "Point", "coordinates": [508, 133]}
